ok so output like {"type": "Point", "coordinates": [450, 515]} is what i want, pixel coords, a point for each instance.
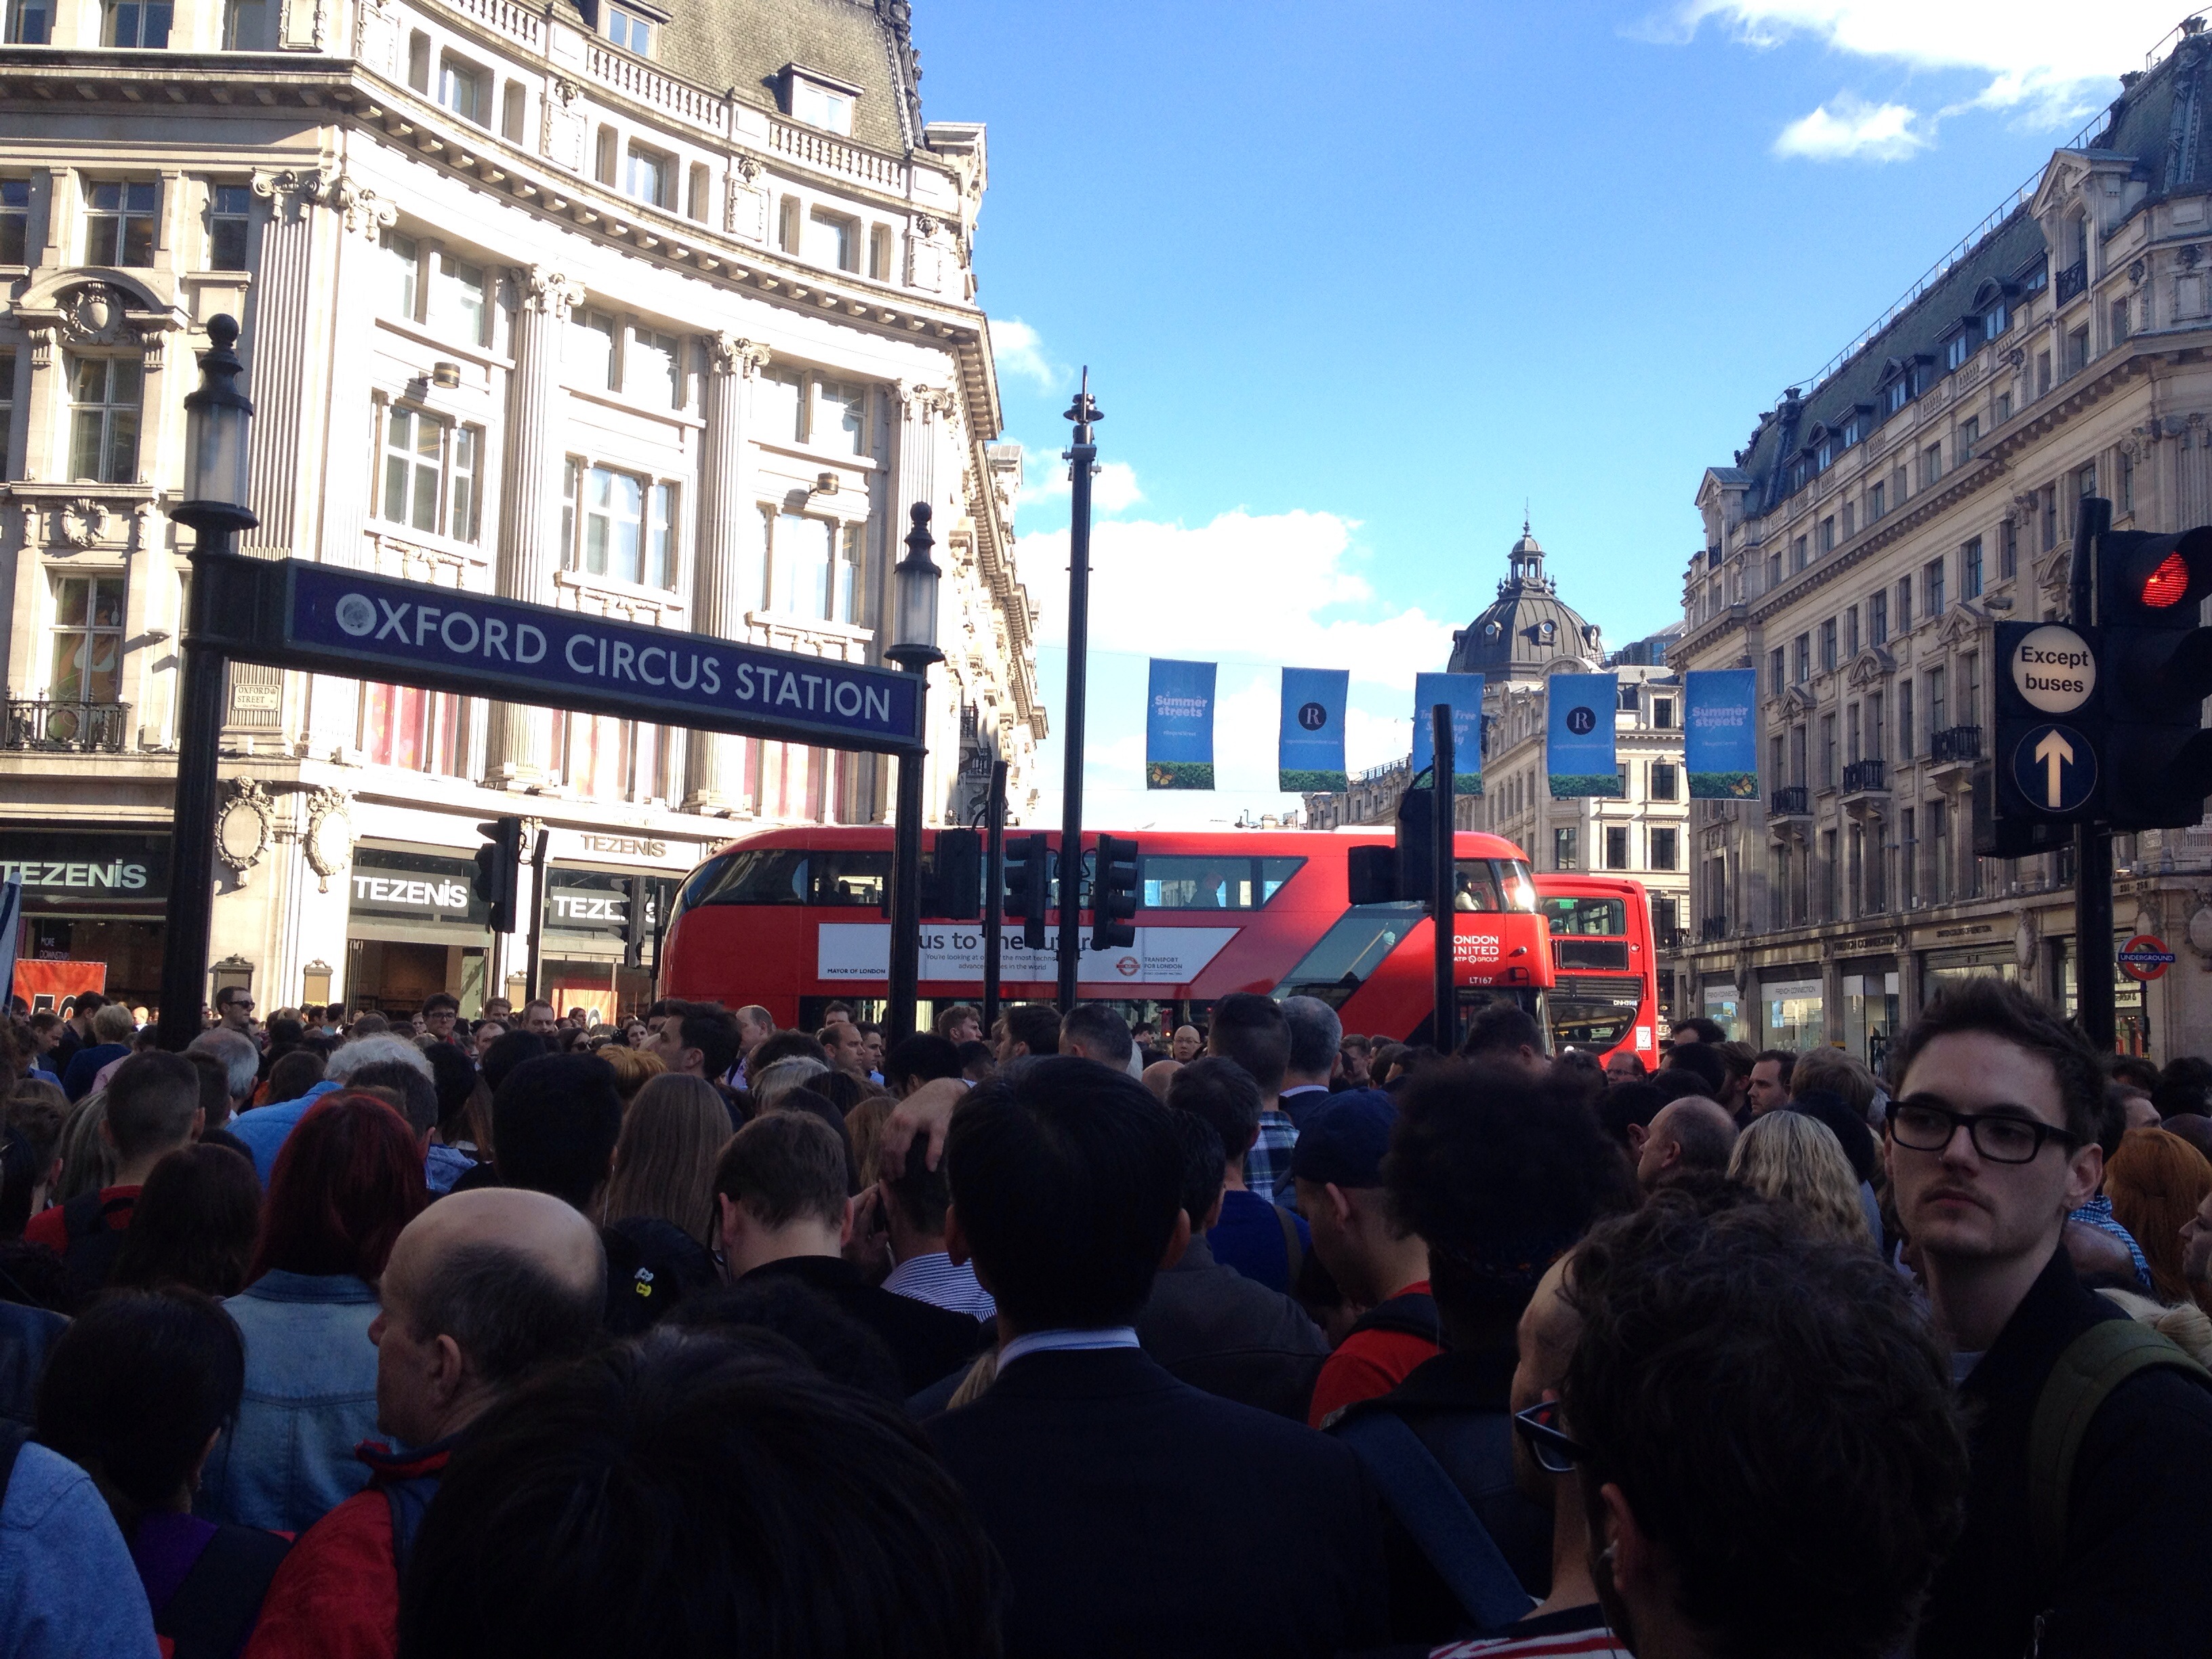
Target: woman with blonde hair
{"type": "Point", "coordinates": [663, 1165]}
{"type": "Point", "coordinates": [1796, 1161]}
{"type": "Point", "coordinates": [2156, 1181]}
{"type": "Point", "coordinates": [633, 1068]}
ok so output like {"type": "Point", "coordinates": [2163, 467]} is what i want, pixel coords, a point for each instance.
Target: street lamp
{"type": "Point", "coordinates": [218, 420]}
{"type": "Point", "coordinates": [914, 647]}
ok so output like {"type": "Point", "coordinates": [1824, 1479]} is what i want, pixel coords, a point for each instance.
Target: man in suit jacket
{"type": "Point", "coordinates": [1135, 1513]}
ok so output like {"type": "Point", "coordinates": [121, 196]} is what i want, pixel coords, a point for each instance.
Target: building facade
{"type": "Point", "coordinates": [1859, 551]}
{"type": "Point", "coordinates": [661, 316]}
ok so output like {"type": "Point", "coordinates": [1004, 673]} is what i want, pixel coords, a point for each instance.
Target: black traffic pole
{"type": "Point", "coordinates": [994, 890]}
{"type": "Point", "coordinates": [216, 415]}
{"type": "Point", "coordinates": [1082, 456]}
{"type": "Point", "coordinates": [2092, 852]}
{"type": "Point", "coordinates": [1443, 845]}
{"type": "Point", "coordinates": [916, 580]}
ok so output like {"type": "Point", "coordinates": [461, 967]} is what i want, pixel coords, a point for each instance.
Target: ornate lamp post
{"type": "Point", "coordinates": [914, 647]}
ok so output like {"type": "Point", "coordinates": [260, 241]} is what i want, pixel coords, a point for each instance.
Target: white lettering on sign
{"type": "Point", "coordinates": [2054, 670]}
{"type": "Point", "coordinates": [413, 894]}
{"type": "Point", "coordinates": [626, 846]}
{"type": "Point", "coordinates": [576, 906]}
{"type": "Point", "coordinates": [954, 950]}
{"type": "Point", "coordinates": [34, 872]}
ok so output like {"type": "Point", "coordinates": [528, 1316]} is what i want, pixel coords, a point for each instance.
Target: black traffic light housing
{"type": "Point", "coordinates": [956, 890]}
{"type": "Point", "coordinates": [498, 879]}
{"type": "Point", "coordinates": [1028, 878]}
{"type": "Point", "coordinates": [638, 888]}
{"type": "Point", "coordinates": [1114, 895]}
{"type": "Point", "coordinates": [2158, 665]}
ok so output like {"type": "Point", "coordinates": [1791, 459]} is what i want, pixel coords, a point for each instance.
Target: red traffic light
{"type": "Point", "coordinates": [2168, 585]}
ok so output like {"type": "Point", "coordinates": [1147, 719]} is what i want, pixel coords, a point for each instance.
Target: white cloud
{"type": "Point", "coordinates": [1018, 350]}
{"type": "Point", "coordinates": [1849, 129]}
{"type": "Point", "coordinates": [1113, 488]}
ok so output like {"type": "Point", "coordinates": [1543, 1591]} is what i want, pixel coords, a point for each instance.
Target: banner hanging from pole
{"type": "Point", "coordinates": [1578, 734]}
{"type": "Point", "coordinates": [1721, 736]}
{"type": "Point", "coordinates": [1179, 725]}
{"type": "Point", "coordinates": [1464, 693]}
{"type": "Point", "coordinates": [1309, 756]}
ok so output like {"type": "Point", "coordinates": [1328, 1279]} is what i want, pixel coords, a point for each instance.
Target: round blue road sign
{"type": "Point", "coordinates": [2056, 770]}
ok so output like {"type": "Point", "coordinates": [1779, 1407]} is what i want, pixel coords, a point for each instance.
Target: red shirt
{"type": "Point", "coordinates": [46, 1228]}
{"type": "Point", "coordinates": [1368, 1363]}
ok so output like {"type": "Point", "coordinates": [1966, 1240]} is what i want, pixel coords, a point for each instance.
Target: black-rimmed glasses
{"type": "Point", "coordinates": [1538, 1427]}
{"type": "Point", "coordinates": [1998, 1136]}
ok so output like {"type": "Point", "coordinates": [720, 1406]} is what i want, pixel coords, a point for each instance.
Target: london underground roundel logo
{"type": "Point", "coordinates": [356, 614]}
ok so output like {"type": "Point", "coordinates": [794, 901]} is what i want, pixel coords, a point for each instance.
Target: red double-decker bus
{"type": "Point", "coordinates": [1605, 991]}
{"type": "Point", "coordinates": [795, 919]}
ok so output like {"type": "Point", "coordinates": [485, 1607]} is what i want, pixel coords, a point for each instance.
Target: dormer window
{"type": "Point", "coordinates": [1957, 350]}
{"type": "Point", "coordinates": [1855, 428]}
{"type": "Point", "coordinates": [818, 99]}
{"type": "Point", "coordinates": [1995, 320]}
{"type": "Point", "coordinates": [631, 28]}
{"type": "Point", "coordinates": [1546, 630]}
{"type": "Point", "coordinates": [1490, 630]}
{"type": "Point", "coordinates": [1824, 452]}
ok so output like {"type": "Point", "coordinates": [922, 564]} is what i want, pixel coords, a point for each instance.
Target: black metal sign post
{"type": "Point", "coordinates": [2094, 967]}
{"type": "Point", "coordinates": [994, 890]}
{"type": "Point", "coordinates": [1082, 455]}
{"type": "Point", "coordinates": [291, 613]}
{"type": "Point", "coordinates": [1442, 844]}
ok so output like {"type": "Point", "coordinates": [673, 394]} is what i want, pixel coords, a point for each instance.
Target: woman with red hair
{"type": "Point", "coordinates": [2156, 1181]}
{"type": "Point", "coordinates": [349, 1177]}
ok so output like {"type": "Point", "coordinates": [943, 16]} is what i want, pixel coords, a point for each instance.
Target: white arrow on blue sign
{"type": "Point", "coordinates": [2056, 768]}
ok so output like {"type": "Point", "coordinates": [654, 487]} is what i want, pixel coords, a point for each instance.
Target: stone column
{"type": "Point", "coordinates": [727, 578]}
{"type": "Point", "coordinates": [521, 735]}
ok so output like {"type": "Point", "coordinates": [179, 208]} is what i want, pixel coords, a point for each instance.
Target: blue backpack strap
{"type": "Point", "coordinates": [1437, 1513]}
{"type": "Point", "coordinates": [407, 1499]}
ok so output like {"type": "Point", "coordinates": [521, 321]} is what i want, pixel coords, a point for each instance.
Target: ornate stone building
{"type": "Point", "coordinates": [658, 314]}
{"type": "Point", "coordinates": [1859, 549]}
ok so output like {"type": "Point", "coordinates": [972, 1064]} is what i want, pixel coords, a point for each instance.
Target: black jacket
{"type": "Point", "coordinates": [927, 1342]}
{"type": "Point", "coordinates": [2139, 1533]}
{"type": "Point", "coordinates": [1212, 1328]}
{"type": "Point", "coordinates": [1138, 1516]}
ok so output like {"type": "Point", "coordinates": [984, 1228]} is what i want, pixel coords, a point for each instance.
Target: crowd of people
{"type": "Point", "coordinates": [526, 1335]}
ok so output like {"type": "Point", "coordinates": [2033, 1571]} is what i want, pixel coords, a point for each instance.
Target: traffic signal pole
{"type": "Point", "coordinates": [994, 890]}
{"type": "Point", "coordinates": [1443, 840]}
{"type": "Point", "coordinates": [2093, 848]}
{"type": "Point", "coordinates": [1081, 455]}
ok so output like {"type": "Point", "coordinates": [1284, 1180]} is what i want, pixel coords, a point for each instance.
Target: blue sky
{"type": "Point", "coordinates": [1354, 280]}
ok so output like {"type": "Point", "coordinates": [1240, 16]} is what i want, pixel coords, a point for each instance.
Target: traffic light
{"type": "Point", "coordinates": [1029, 884]}
{"type": "Point", "coordinates": [633, 920]}
{"type": "Point", "coordinates": [1114, 895]}
{"type": "Point", "coordinates": [957, 888]}
{"type": "Point", "coordinates": [1417, 843]}
{"type": "Point", "coordinates": [2159, 671]}
{"type": "Point", "coordinates": [498, 879]}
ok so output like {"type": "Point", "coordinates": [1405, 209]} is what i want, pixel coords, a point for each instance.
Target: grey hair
{"type": "Point", "coordinates": [778, 1081]}
{"type": "Point", "coordinates": [1317, 1034]}
{"type": "Point", "coordinates": [233, 1050]}
{"type": "Point", "coordinates": [376, 1049]}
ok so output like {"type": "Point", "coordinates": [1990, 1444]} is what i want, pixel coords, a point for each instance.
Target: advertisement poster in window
{"type": "Point", "coordinates": [1179, 725]}
{"type": "Point", "coordinates": [1720, 735]}
{"type": "Point", "coordinates": [1464, 693]}
{"type": "Point", "coordinates": [1310, 753]}
{"type": "Point", "coordinates": [1578, 734]}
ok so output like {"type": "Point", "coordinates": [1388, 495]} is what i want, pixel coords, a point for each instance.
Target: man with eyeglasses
{"type": "Point", "coordinates": [1992, 1141]}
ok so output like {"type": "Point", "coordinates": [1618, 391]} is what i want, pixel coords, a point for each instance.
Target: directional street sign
{"type": "Point", "coordinates": [2144, 957]}
{"type": "Point", "coordinates": [2055, 768]}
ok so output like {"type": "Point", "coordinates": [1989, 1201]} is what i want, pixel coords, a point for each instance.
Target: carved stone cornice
{"type": "Point", "coordinates": [360, 208]}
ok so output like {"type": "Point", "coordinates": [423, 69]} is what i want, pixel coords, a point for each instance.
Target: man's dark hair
{"type": "Point", "coordinates": [1705, 1030]}
{"type": "Point", "coordinates": [151, 1098]}
{"type": "Point", "coordinates": [1100, 1026]}
{"type": "Point", "coordinates": [196, 1224]}
{"type": "Point", "coordinates": [1035, 1024]}
{"type": "Point", "coordinates": [1992, 1007]}
{"type": "Point", "coordinates": [441, 999]}
{"type": "Point", "coordinates": [922, 1058]}
{"type": "Point", "coordinates": [295, 1075]}
{"type": "Point", "coordinates": [1500, 1029]}
{"type": "Point", "coordinates": [2184, 1087]}
{"type": "Point", "coordinates": [1778, 1418]}
{"type": "Point", "coordinates": [786, 1166]}
{"type": "Point", "coordinates": [1066, 1177]}
{"type": "Point", "coordinates": [1702, 1062]}
{"type": "Point", "coordinates": [922, 1195]}
{"type": "Point", "coordinates": [2138, 1072]}
{"type": "Point", "coordinates": [1316, 1035]}
{"type": "Point", "coordinates": [977, 1061]}
{"type": "Point", "coordinates": [775, 1305]}
{"type": "Point", "coordinates": [1499, 1172]}
{"type": "Point", "coordinates": [554, 1123]}
{"type": "Point", "coordinates": [454, 1077]}
{"type": "Point", "coordinates": [1785, 1062]}
{"type": "Point", "coordinates": [1204, 1166]}
{"type": "Point", "coordinates": [807, 1103]}
{"type": "Point", "coordinates": [87, 1004]}
{"type": "Point", "coordinates": [1250, 1029]}
{"type": "Point", "coordinates": [418, 1095]}
{"type": "Point", "coordinates": [284, 1033]}
{"type": "Point", "coordinates": [505, 1312]}
{"type": "Point", "coordinates": [1222, 1093]}
{"type": "Point", "coordinates": [784, 1045]}
{"type": "Point", "coordinates": [215, 1086]}
{"type": "Point", "coordinates": [1677, 1082]}
{"type": "Point", "coordinates": [1848, 1126]}
{"type": "Point", "coordinates": [510, 1050]}
{"type": "Point", "coordinates": [2112, 1119]}
{"type": "Point", "coordinates": [1636, 1103]}
{"type": "Point", "coordinates": [694, 1494]}
{"type": "Point", "coordinates": [712, 1030]}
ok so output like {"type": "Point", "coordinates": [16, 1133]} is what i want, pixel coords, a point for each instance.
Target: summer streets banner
{"type": "Point", "coordinates": [1464, 693]}
{"type": "Point", "coordinates": [1578, 734]}
{"type": "Point", "coordinates": [1309, 756]}
{"type": "Point", "coordinates": [1721, 737]}
{"type": "Point", "coordinates": [1179, 725]}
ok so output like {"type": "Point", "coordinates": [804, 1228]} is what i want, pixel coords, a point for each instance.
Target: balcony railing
{"type": "Point", "coordinates": [1794, 802]}
{"type": "Point", "coordinates": [2070, 281]}
{"type": "Point", "coordinates": [1711, 930]}
{"type": "Point", "coordinates": [75, 728]}
{"type": "Point", "coordinates": [1864, 777]}
{"type": "Point", "coordinates": [1954, 744]}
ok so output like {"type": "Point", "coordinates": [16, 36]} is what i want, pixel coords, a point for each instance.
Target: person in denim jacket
{"type": "Point", "coordinates": [348, 1179]}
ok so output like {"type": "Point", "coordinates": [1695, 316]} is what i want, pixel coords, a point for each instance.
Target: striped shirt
{"type": "Point", "coordinates": [934, 1278]}
{"type": "Point", "coordinates": [1595, 1644]}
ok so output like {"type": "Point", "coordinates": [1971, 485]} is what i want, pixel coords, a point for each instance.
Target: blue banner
{"type": "Point", "coordinates": [1578, 734]}
{"type": "Point", "coordinates": [1179, 725]}
{"type": "Point", "coordinates": [1464, 693]}
{"type": "Point", "coordinates": [1721, 734]}
{"type": "Point", "coordinates": [1309, 755]}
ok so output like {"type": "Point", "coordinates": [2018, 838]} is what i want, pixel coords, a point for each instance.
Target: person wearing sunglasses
{"type": "Point", "coordinates": [1992, 1141]}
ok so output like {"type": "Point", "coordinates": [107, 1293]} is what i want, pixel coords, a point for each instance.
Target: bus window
{"type": "Point", "coordinates": [1187, 883]}
{"type": "Point", "coordinates": [1593, 1014]}
{"type": "Point", "coordinates": [846, 878]}
{"type": "Point", "coordinates": [1343, 958]}
{"type": "Point", "coordinates": [1578, 915]}
{"type": "Point", "coordinates": [751, 875]}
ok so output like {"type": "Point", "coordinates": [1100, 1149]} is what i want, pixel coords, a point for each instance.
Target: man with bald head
{"type": "Point", "coordinates": [483, 1288]}
{"type": "Point", "coordinates": [1693, 1133]}
{"type": "Point", "coordinates": [1183, 1048]}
